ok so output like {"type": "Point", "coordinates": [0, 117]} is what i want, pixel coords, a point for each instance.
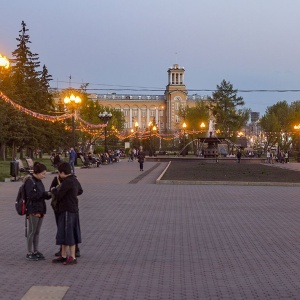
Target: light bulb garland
{"type": "Point", "coordinates": [95, 129]}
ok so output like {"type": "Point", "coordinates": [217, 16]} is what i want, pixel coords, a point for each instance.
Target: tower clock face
{"type": "Point", "coordinates": [177, 98]}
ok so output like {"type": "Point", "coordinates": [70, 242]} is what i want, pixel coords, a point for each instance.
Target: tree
{"type": "Point", "coordinates": [194, 116]}
{"type": "Point", "coordinates": [278, 122]}
{"type": "Point", "coordinates": [29, 87]}
{"type": "Point", "coordinates": [224, 106]}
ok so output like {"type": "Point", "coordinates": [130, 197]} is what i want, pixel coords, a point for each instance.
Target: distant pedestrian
{"type": "Point", "coordinates": [268, 156]}
{"type": "Point", "coordinates": [130, 155]}
{"type": "Point", "coordinates": [239, 155]}
{"type": "Point", "coordinates": [141, 158]}
{"type": "Point", "coordinates": [72, 159]}
{"type": "Point", "coordinates": [286, 157]}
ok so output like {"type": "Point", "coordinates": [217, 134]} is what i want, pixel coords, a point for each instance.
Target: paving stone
{"type": "Point", "coordinates": [149, 241]}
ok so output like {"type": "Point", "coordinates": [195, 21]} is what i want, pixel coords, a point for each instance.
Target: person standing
{"type": "Point", "coordinates": [72, 159]}
{"type": "Point", "coordinates": [141, 158]}
{"type": "Point", "coordinates": [68, 225]}
{"type": "Point", "coordinates": [55, 205]}
{"type": "Point", "coordinates": [268, 156]}
{"type": "Point", "coordinates": [239, 155]}
{"type": "Point", "coordinates": [36, 209]}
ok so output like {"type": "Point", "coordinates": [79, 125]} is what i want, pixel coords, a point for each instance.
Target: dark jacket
{"type": "Point", "coordinates": [141, 156]}
{"type": "Point", "coordinates": [36, 195]}
{"type": "Point", "coordinates": [67, 194]}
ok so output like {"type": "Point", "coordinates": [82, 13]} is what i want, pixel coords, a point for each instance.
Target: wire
{"type": "Point", "coordinates": [158, 89]}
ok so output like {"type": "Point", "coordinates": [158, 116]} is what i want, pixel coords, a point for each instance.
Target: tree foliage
{"type": "Point", "coordinates": [225, 107]}
{"type": "Point", "coordinates": [194, 116]}
{"type": "Point", "coordinates": [28, 86]}
{"type": "Point", "coordinates": [278, 122]}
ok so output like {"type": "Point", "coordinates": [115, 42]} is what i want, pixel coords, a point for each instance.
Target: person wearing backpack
{"type": "Point", "coordinates": [36, 209]}
{"type": "Point", "coordinates": [68, 225]}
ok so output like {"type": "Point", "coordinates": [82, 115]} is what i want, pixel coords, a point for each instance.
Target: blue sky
{"type": "Point", "coordinates": [109, 44]}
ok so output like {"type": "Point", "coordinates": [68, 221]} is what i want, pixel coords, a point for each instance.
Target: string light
{"type": "Point", "coordinates": [94, 129]}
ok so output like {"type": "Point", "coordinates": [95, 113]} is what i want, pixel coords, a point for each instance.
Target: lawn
{"type": "Point", "coordinates": [5, 166]}
{"type": "Point", "coordinates": [228, 171]}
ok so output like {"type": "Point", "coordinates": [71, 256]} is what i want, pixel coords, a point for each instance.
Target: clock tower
{"type": "Point", "coordinates": [176, 96]}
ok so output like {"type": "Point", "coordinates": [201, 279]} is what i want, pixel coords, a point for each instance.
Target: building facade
{"type": "Point", "coordinates": [160, 109]}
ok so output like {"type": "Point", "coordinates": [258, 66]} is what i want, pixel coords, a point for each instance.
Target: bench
{"type": "Point", "coordinates": [24, 169]}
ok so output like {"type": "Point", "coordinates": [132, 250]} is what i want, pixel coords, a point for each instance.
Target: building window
{"type": "Point", "coordinates": [177, 105]}
{"type": "Point", "coordinates": [143, 113]}
{"type": "Point", "coordinates": [161, 113]}
{"type": "Point", "coordinates": [134, 112]}
{"type": "Point", "coordinates": [125, 111]}
{"type": "Point", "coordinates": [176, 119]}
{"type": "Point", "coordinates": [152, 113]}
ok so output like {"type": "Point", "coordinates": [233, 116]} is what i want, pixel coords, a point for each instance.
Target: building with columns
{"type": "Point", "coordinates": [161, 109]}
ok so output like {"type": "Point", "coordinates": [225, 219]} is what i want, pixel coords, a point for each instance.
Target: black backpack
{"type": "Point", "coordinates": [21, 201]}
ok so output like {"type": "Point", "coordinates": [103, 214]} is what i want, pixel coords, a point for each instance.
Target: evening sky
{"type": "Point", "coordinates": [127, 46]}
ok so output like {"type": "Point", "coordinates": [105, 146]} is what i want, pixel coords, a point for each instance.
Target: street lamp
{"type": "Point", "coordinates": [73, 102]}
{"type": "Point", "coordinates": [136, 126]}
{"type": "Point", "coordinates": [297, 127]}
{"type": "Point", "coordinates": [202, 126]}
{"type": "Point", "coordinates": [184, 127]}
{"type": "Point", "coordinates": [152, 127]}
{"type": "Point", "coordinates": [105, 117]}
{"type": "Point", "coordinates": [4, 62]}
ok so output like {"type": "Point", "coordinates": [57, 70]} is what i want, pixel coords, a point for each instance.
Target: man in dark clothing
{"type": "Point", "coordinates": [72, 159]}
{"type": "Point", "coordinates": [239, 155]}
{"type": "Point", "coordinates": [68, 226]}
{"type": "Point", "coordinates": [141, 158]}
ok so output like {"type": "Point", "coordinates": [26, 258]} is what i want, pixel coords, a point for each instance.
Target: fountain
{"type": "Point", "coordinates": [211, 151]}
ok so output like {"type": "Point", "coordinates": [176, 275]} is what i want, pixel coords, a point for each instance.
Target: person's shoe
{"type": "Point", "coordinates": [31, 257]}
{"type": "Point", "coordinates": [58, 253]}
{"type": "Point", "coordinates": [60, 259]}
{"type": "Point", "coordinates": [77, 253]}
{"type": "Point", "coordinates": [70, 261]}
{"type": "Point", "coordinates": [39, 255]}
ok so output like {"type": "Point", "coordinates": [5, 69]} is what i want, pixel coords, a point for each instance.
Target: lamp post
{"type": "Point", "coordinates": [136, 126]}
{"type": "Point", "coordinates": [152, 127]}
{"type": "Point", "coordinates": [297, 127]}
{"type": "Point", "coordinates": [105, 117]}
{"type": "Point", "coordinates": [184, 127]}
{"type": "Point", "coordinates": [73, 102]}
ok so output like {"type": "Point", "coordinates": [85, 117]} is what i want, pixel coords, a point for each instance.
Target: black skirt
{"type": "Point", "coordinates": [68, 229]}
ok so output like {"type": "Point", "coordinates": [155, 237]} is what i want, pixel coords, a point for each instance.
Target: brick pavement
{"type": "Point", "coordinates": [147, 241]}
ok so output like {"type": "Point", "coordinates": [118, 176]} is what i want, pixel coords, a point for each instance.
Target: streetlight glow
{"type": "Point", "coordinates": [73, 102]}
{"type": "Point", "coordinates": [4, 62]}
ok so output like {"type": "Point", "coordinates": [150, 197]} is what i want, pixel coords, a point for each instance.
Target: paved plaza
{"type": "Point", "coordinates": [150, 241]}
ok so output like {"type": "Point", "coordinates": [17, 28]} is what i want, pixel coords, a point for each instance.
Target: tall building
{"type": "Point", "coordinates": [162, 109]}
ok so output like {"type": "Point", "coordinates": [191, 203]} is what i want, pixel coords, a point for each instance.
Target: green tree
{"type": "Point", "coordinates": [194, 116]}
{"type": "Point", "coordinates": [277, 123]}
{"type": "Point", "coordinates": [224, 106]}
{"type": "Point", "coordinates": [29, 87]}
